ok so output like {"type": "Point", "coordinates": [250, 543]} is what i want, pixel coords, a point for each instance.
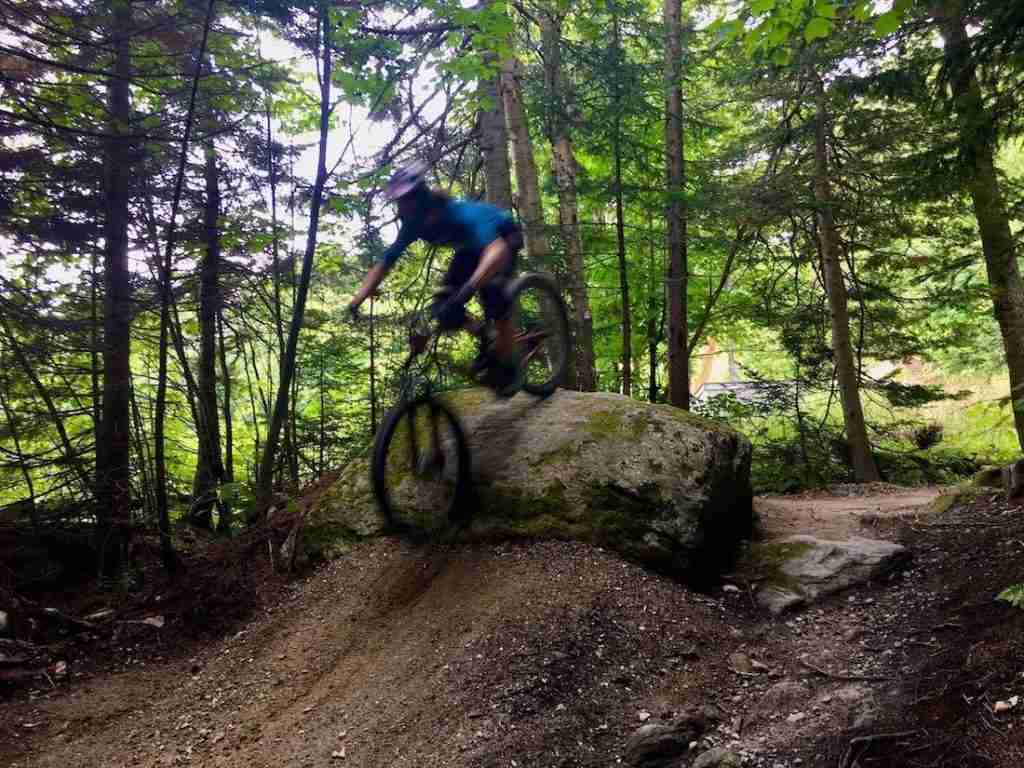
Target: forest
{"type": "Point", "coordinates": [831, 191]}
{"type": "Point", "coordinates": [772, 516]}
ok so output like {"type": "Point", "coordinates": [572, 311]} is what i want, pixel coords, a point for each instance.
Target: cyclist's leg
{"type": "Point", "coordinates": [499, 309]}
{"type": "Point", "coordinates": [452, 317]}
{"type": "Point", "coordinates": [494, 297]}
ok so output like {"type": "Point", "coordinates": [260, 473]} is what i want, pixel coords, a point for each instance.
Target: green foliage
{"type": "Point", "coordinates": [768, 27]}
{"type": "Point", "coordinates": [817, 27]}
{"type": "Point", "coordinates": [1013, 595]}
{"type": "Point", "coordinates": [918, 289]}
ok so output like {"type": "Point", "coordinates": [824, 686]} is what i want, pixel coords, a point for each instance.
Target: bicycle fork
{"type": "Point", "coordinates": [431, 458]}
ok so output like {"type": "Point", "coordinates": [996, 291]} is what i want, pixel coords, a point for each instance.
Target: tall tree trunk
{"type": "Point", "coordinates": [94, 344]}
{"type": "Point", "coordinates": [113, 451]}
{"type": "Point", "coordinates": [224, 521]}
{"type": "Point", "coordinates": [373, 369]}
{"type": "Point", "coordinates": [494, 141]}
{"type": "Point", "coordinates": [278, 268]}
{"type": "Point", "coordinates": [316, 199]}
{"type": "Point", "coordinates": [209, 463]}
{"type": "Point", "coordinates": [677, 272]}
{"type": "Point", "coordinates": [652, 327]}
{"type": "Point", "coordinates": [831, 256]}
{"type": "Point", "coordinates": [163, 512]}
{"type": "Point", "coordinates": [620, 226]}
{"type": "Point", "coordinates": [978, 148]}
{"type": "Point", "coordinates": [531, 211]}
{"type": "Point", "coordinates": [323, 431]}
{"type": "Point", "coordinates": [564, 162]}
{"type": "Point", "coordinates": [145, 450]}
{"type": "Point", "coordinates": [293, 439]}
{"type": "Point", "coordinates": [141, 455]}
{"type": "Point", "coordinates": [167, 308]}
{"type": "Point", "coordinates": [249, 377]}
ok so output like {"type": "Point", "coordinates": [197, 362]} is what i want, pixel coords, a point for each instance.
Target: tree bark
{"type": "Point", "coordinates": [677, 272]}
{"type": "Point", "coordinates": [224, 521]}
{"type": "Point", "coordinates": [278, 268]}
{"type": "Point", "coordinates": [531, 211]}
{"type": "Point", "coordinates": [293, 440]}
{"type": "Point", "coordinates": [653, 333]}
{"type": "Point", "coordinates": [141, 455]}
{"type": "Point", "coordinates": [323, 409]}
{"type": "Point", "coordinates": [620, 226]}
{"type": "Point", "coordinates": [846, 369]}
{"type": "Point", "coordinates": [113, 450]}
{"type": "Point", "coordinates": [978, 148]}
{"type": "Point", "coordinates": [564, 162]}
{"type": "Point", "coordinates": [316, 199]}
{"type": "Point", "coordinates": [113, 476]}
{"type": "Point", "coordinates": [257, 450]}
{"type": "Point", "coordinates": [167, 308]}
{"type": "Point", "coordinates": [209, 463]}
{"type": "Point", "coordinates": [94, 345]}
{"type": "Point", "coordinates": [373, 369]}
{"type": "Point", "coordinates": [494, 142]}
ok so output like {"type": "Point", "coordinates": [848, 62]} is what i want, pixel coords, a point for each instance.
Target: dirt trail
{"type": "Point", "coordinates": [398, 657]}
{"type": "Point", "coordinates": [870, 511]}
{"type": "Point", "coordinates": [532, 655]}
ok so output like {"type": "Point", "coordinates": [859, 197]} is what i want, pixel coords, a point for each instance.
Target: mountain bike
{"type": "Point", "coordinates": [420, 468]}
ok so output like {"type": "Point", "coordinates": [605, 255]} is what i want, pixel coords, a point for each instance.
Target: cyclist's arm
{"type": "Point", "coordinates": [377, 273]}
{"type": "Point", "coordinates": [372, 280]}
{"type": "Point", "coordinates": [493, 259]}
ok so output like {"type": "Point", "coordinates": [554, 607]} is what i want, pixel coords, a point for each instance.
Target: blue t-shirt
{"type": "Point", "coordinates": [463, 224]}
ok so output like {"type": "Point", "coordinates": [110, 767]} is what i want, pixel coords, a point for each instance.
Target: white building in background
{"type": "Point", "coordinates": [716, 371]}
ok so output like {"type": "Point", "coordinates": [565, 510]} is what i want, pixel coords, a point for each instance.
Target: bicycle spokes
{"type": "Point", "coordinates": [421, 467]}
{"type": "Point", "coordinates": [543, 334]}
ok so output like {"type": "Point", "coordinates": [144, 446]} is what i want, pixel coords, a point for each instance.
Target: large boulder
{"type": "Point", "coordinates": [652, 482]}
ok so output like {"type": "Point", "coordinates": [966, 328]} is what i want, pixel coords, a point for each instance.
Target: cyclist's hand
{"type": "Point", "coordinates": [464, 294]}
{"type": "Point", "coordinates": [443, 305]}
{"type": "Point", "coordinates": [352, 314]}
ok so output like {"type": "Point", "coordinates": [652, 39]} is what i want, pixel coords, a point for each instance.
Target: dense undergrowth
{"type": "Point", "coordinates": [942, 441]}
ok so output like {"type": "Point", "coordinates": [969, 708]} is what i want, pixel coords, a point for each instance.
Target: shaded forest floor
{"type": "Point", "coordinates": [552, 654]}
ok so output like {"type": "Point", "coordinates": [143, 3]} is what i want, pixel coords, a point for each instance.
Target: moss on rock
{"type": "Point", "coordinates": [763, 562]}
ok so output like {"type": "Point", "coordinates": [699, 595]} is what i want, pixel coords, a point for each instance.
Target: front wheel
{"type": "Point", "coordinates": [543, 332]}
{"type": "Point", "coordinates": [420, 470]}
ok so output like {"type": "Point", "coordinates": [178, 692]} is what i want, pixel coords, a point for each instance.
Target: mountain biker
{"type": "Point", "coordinates": [486, 241]}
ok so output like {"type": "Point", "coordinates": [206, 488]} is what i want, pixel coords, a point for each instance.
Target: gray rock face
{"type": "Point", "coordinates": [717, 758]}
{"type": "Point", "coordinates": [1013, 479]}
{"type": "Point", "coordinates": [659, 744]}
{"type": "Point", "coordinates": [653, 482]}
{"type": "Point", "coordinates": [801, 569]}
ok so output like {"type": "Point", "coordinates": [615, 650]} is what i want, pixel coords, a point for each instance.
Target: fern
{"type": "Point", "coordinates": [1013, 595]}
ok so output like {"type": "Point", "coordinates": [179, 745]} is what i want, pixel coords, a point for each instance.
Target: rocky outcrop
{"type": "Point", "coordinates": [1010, 478]}
{"type": "Point", "coordinates": [718, 758]}
{"type": "Point", "coordinates": [652, 482]}
{"type": "Point", "coordinates": [801, 569]}
{"type": "Point", "coordinates": [658, 745]}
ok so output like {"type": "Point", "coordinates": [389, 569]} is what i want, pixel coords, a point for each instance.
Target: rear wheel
{"type": "Point", "coordinates": [420, 469]}
{"type": "Point", "coordinates": [543, 333]}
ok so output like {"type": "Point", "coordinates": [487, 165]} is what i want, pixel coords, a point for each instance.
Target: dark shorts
{"type": "Point", "coordinates": [492, 295]}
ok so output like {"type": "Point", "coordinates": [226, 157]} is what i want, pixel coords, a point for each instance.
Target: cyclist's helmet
{"type": "Point", "coordinates": [407, 180]}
